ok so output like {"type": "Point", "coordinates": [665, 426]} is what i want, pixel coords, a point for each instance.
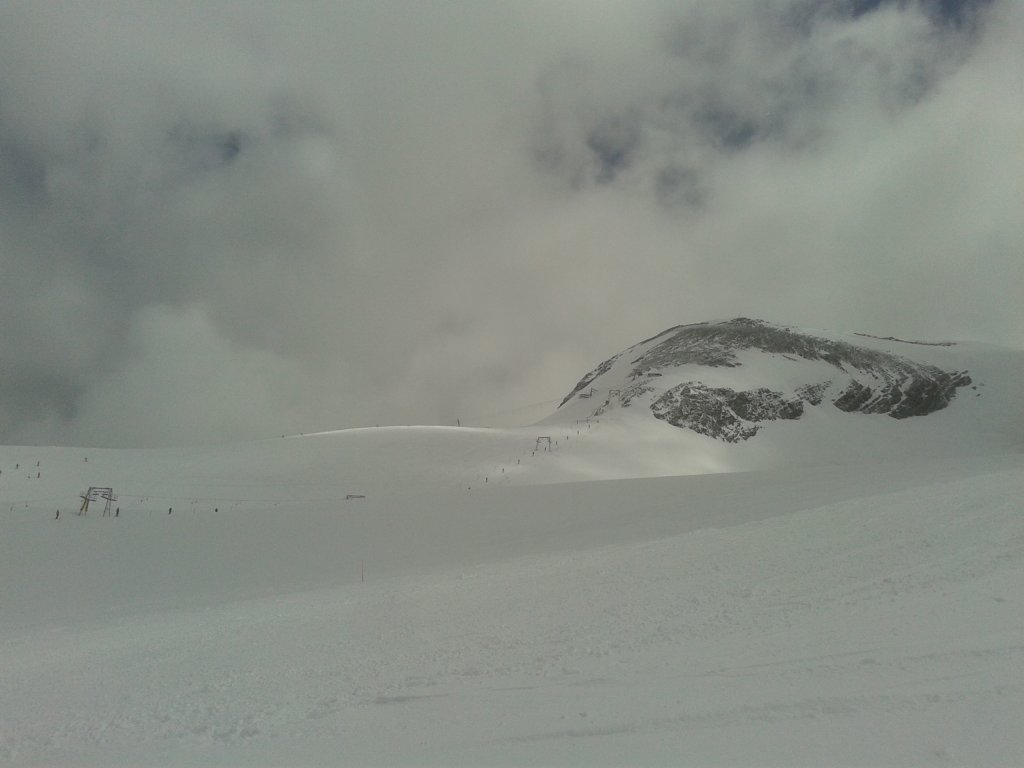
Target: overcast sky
{"type": "Point", "coordinates": [229, 220]}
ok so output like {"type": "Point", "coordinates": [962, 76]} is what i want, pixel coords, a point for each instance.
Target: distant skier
{"type": "Point", "coordinates": [168, 510]}
{"type": "Point", "coordinates": [58, 515]}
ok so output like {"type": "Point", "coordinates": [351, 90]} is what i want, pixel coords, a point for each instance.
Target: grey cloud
{"type": "Point", "coordinates": [677, 186]}
{"type": "Point", "coordinates": [782, 74]}
{"type": "Point", "coordinates": [144, 190]}
{"type": "Point", "coordinates": [954, 13]}
{"type": "Point", "coordinates": [220, 221]}
{"type": "Point", "coordinates": [612, 143]}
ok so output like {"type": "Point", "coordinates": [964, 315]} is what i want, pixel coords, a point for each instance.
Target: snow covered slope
{"type": "Point", "coordinates": [577, 592]}
{"type": "Point", "coordinates": [869, 614]}
{"type": "Point", "coordinates": [753, 395]}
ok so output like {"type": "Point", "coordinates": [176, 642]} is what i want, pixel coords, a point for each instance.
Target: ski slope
{"type": "Point", "coordinates": [629, 594]}
{"type": "Point", "coordinates": [846, 615]}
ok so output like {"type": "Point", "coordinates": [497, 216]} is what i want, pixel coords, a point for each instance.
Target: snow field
{"type": "Point", "coordinates": [851, 615]}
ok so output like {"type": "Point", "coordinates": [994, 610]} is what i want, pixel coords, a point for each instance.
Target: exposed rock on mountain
{"type": "Point", "coordinates": [722, 412]}
{"type": "Point", "coordinates": [668, 372]}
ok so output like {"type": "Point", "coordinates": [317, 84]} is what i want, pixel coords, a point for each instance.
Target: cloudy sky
{"type": "Point", "coordinates": [230, 220]}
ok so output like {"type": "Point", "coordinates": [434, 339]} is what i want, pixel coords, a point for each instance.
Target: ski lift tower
{"type": "Point", "coordinates": [95, 494]}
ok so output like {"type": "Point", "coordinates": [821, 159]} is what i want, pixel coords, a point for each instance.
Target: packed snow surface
{"type": "Point", "coordinates": [623, 593]}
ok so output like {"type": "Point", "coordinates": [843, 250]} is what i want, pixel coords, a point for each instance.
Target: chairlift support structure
{"type": "Point", "coordinates": [95, 493]}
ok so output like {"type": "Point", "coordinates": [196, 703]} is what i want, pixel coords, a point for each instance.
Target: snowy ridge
{"type": "Point", "coordinates": [857, 379]}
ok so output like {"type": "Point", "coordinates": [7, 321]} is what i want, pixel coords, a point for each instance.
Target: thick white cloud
{"type": "Point", "coordinates": [341, 214]}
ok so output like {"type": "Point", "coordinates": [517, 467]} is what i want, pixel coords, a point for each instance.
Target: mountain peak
{"type": "Point", "coordinates": [683, 377]}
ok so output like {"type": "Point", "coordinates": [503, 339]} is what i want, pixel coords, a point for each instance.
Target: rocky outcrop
{"type": "Point", "coordinates": [864, 380]}
{"type": "Point", "coordinates": [929, 391]}
{"type": "Point", "coordinates": [723, 413]}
